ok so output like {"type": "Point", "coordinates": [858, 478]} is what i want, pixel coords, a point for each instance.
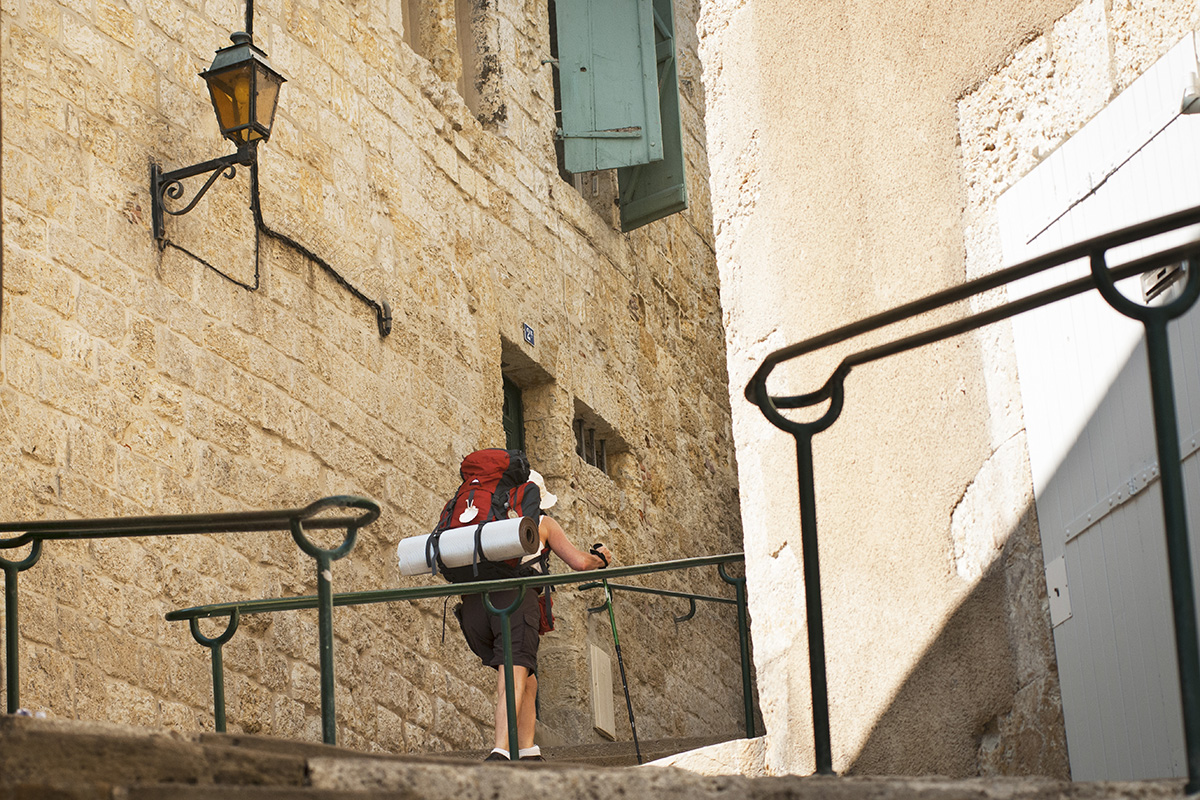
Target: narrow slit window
{"type": "Point", "coordinates": [591, 443]}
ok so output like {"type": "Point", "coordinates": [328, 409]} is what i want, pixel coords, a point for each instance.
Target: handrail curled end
{"type": "Point", "coordinates": [1106, 285]}
{"type": "Point", "coordinates": [691, 611]}
{"type": "Point", "coordinates": [1094, 248]}
{"type": "Point", "coordinates": [730, 579]}
{"type": "Point", "coordinates": [507, 610]}
{"type": "Point", "coordinates": [833, 391]}
{"type": "Point", "coordinates": [214, 641]}
{"type": "Point", "coordinates": [17, 541]}
{"type": "Point", "coordinates": [35, 553]}
{"type": "Point", "coordinates": [343, 501]}
{"type": "Point", "coordinates": [370, 507]}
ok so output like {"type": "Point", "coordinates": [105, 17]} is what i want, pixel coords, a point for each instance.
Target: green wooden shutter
{"type": "Point", "coordinates": [513, 414]}
{"type": "Point", "coordinates": [607, 70]}
{"type": "Point", "coordinates": [652, 191]}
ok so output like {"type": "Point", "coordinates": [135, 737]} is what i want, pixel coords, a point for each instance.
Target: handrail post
{"type": "Point", "coordinates": [215, 644]}
{"type": "Point", "coordinates": [12, 663]}
{"type": "Point", "coordinates": [325, 637]}
{"type": "Point", "coordinates": [812, 604]}
{"type": "Point", "coordinates": [612, 622]}
{"type": "Point", "coordinates": [324, 558]}
{"type": "Point", "coordinates": [1187, 643]}
{"type": "Point", "coordinates": [803, 432]}
{"type": "Point", "coordinates": [1166, 438]}
{"type": "Point", "coordinates": [218, 670]}
{"type": "Point", "coordinates": [510, 692]}
{"type": "Point", "coordinates": [12, 644]}
{"type": "Point", "coordinates": [739, 585]}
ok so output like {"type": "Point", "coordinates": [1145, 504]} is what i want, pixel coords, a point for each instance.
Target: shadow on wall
{"type": "Point", "coordinates": [993, 668]}
{"type": "Point", "coordinates": [983, 673]}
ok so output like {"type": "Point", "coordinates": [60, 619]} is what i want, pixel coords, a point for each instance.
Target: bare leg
{"type": "Point", "coordinates": [520, 674]}
{"type": "Point", "coordinates": [527, 713]}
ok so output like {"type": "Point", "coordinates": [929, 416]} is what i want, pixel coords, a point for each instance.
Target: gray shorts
{"type": "Point", "coordinates": [482, 630]}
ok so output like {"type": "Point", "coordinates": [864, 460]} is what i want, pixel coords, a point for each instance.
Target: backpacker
{"type": "Point", "coordinates": [493, 482]}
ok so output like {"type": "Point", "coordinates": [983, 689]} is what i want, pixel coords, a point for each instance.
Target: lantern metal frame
{"type": "Point", "coordinates": [242, 54]}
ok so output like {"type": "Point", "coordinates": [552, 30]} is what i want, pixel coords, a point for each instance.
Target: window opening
{"type": "Point", "coordinates": [410, 11]}
{"type": "Point", "coordinates": [589, 447]}
{"type": "Point", "coordinates": [469, 52]}
{"type": "Point", "coordinates": [560, 153]}
{"type": "Point", "coordinates": [618, 104]}
{"type": "Point", "coordinates": [598, 443]}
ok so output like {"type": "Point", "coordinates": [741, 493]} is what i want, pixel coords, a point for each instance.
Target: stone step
{"type": "Point", "coordinates": [604, 754]}
{"type": "Point", "coordinates": [519, 781]}
{"type": "Point", "coordinates": [64, 760]}
{"type": "Point", "coordinates": [173, 791]}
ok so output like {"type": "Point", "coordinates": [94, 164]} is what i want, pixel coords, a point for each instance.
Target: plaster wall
{"type": "Point", "coordinates": [238, 368]}
{"type": "Point", "coordinates": [839, 192]}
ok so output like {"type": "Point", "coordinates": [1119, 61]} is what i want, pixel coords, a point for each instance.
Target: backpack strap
{"type": "Point", "coordinates": [444, 519]}
{"type": "Point", "coordinates": [526, 500]}
{"type": "Point", "coordinates": [433, 552]}
{"type": "Point", "coordinates": [478, 550]}
{"type": "Point", "coordinates": [515, 496]}
{"type": "Point", "coordinates": [478, 555]}
{"type": "Point", "coordinates": [447, 518]}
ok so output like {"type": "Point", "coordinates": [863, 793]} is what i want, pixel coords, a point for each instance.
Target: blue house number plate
{"type": "Point", "coordinates": [528, 332]}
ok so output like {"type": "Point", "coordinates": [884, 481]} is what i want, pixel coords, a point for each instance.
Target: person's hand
{"type": "Point", "coordinates": [603, 553]}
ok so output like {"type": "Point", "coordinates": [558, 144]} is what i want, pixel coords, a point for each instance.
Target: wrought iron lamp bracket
{"type": "Point", "coordinates": [165, 185]}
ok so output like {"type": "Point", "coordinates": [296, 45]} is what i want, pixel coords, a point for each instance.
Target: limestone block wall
{"type": "Point", "coordinates": [233, 370]}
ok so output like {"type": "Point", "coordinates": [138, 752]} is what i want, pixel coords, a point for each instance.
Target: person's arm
{"type": "Point", "coordinates": [552, 534]}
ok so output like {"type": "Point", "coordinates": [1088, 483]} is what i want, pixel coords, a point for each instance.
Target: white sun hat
{"type": "Point", "coordinates": [548, 500]}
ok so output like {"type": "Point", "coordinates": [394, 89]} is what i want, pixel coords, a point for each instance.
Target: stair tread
{"type": "Point", "coordinates": [66, 760]}
{"type": "Point", "coordinates": [621, 753]}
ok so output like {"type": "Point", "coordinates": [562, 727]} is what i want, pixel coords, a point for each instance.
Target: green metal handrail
{"type": "Point", "coordinates": [237, 609]}
{"type": "Point", "coordinates": [295, 520]}
{"type": "Point", "coordinates": [739, 584]}
{"type": "Point", "coordinates": [1101, 278]}
{"type": "Point", "coordinates": [689, 596]}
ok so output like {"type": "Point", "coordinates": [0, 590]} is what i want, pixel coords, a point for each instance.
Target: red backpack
{"type": "Point", "coordinates": [493, 482]}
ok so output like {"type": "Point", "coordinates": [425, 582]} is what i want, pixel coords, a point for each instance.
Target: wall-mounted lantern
{"type": "Point", "coordinates": [245, 90]}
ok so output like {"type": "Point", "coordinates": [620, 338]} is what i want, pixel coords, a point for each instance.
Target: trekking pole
{"type": "Point", "coordinates": [612, 621]}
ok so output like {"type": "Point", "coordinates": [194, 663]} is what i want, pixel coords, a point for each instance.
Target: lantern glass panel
{"type": "Point", "coordinates": [268, 84]}
{"type": "Point", "coordinates": [231, 97]}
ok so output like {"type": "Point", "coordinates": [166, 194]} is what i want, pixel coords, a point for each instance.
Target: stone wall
{"type": "Point", "coordinates": [1045, 92]}
{"type": "Point", "coordinates": [838, 192]}
{"type": "Point", "coordinates": [233, 370]}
